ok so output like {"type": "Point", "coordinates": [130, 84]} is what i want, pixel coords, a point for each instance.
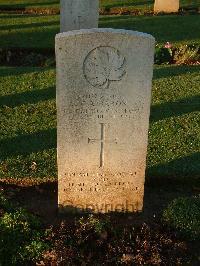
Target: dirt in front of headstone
{"type": "Point", "coordinates": [95, 241]}
{"type": "Point", "coordinates": [40, 198]}
{"type": "Point", "coordinates": [132, 239]}
{"type": "Point", "coordinates": [37, 197]}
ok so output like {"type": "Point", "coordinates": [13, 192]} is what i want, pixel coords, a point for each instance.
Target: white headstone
{"type": "Point", "coordinates": [166, 6]}
{"type": "Point", "coordinates": [78, 14]}
{"type": "Point", "coordinates": [103, 104]}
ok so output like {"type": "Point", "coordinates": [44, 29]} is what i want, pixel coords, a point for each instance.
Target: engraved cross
{"type": "Point", "coordinates": [102, 141]}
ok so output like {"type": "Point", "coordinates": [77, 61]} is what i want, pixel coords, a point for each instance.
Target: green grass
{"type": "Point", "coordinates": [183, 215]}
{"type": "Point", "coordinates": [29, 3]}
{"type": "Point", "coordinates": [140, 4]}
{"type": "Point", "coordinates": [28, 123]}
{"type": "Point", "coordinates": [175, 29]}
{"type": "Point", "coordinates": [174, 143]}
{"type": "Point", "coordinates": [37, 31]}
{"type": "Point", "coordinates": [22, 237]}
{"type": "Point", "coordinates": [137, 4]}
{"type": "Point", "coordinates": [28, 31]}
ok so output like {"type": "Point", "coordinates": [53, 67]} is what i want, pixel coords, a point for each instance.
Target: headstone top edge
{"type": "Point", "coordinates": [104, 30]}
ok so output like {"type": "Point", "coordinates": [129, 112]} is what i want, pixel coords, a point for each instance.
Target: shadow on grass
{"type": "Point", "coordinates": [28, 97]}
{"type": "Point", "coordinates": [173, 109]}
{"type": "Point", "coordinates": [13, 16]}
{"type": "Point", "coordinates": [171, 71]}
{"type": "Point", "coordinates": [114, 17]}
{"type": "Point", "coordinates": [184, 169]}
{"type": "Point", "coordinates": [31, 25]}
{"type": "Point", "coordinates": [35, 38]}
{"type": "Point", "coordinates": [164, 28]}
{"type": "Point", "coordinates": [174, 28]}
{"type": "Point", "coordinates": [40, 199]}
{"type": "Point", "coordinates": [27, 144]}
{"type": "Point", "coordinates": [15, 71]}
{"type": "Point", "coordinates": [129, 4]}
{"type": "Point", "coordinates": [29, 4]}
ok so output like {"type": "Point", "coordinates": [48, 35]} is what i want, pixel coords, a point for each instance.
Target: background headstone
{"type": "Point", "coordinates": [166, 6]}
{"type": "Point", "coordinates": [103, 104]}
{"type": "Point", "coordinates": [78, 14]}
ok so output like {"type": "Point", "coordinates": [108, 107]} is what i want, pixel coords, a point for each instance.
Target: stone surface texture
{"type": "Point", "coordinates": [103, 103]}
{"type": "Point", "coordinates": [78, 14]}
{"type": "Point", "coordinates": [166, 6]}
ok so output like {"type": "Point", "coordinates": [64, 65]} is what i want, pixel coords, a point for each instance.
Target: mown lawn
{"type": "Point", "coordinates": [140, 4]}
{"type": "Point", "coordinates": [28, 123]}
{"type": "Point", "coordinates": [136, 4]}
{"type": "Point", "coordinates": [29, 3]}
{"type": "Point", "coordinates": [38, 31]}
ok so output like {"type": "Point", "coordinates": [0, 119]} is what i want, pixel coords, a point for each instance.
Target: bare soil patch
{"type": "Point", "coordinates": [41, 198]}
{"type": "Point", "coordinates": [111, 239]}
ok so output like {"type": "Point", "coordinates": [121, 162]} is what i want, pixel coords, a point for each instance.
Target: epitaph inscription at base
{"type": "Point", "coordinates": [103, 102]}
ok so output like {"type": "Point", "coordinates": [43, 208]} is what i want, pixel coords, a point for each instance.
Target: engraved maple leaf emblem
{"type": "Point", "coordinates": [103, 65]}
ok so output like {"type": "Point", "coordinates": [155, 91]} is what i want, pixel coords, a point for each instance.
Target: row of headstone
{"type": "Point", "coordinates": [84, 14]}
{"type": "Point", "coordinates": [103, 105]}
